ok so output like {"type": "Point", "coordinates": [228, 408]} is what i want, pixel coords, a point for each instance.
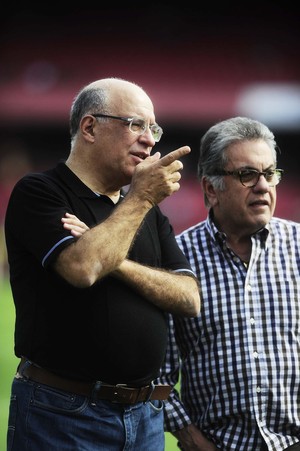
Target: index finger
{"type": "Point", "coordinates": [175, 155]}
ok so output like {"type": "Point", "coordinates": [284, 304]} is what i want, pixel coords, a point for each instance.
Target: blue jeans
{"type": "Point", "coordinates": [42, 418]}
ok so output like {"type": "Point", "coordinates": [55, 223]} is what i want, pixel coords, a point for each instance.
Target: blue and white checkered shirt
{"type": "Point", "coordinates": [240, 358]}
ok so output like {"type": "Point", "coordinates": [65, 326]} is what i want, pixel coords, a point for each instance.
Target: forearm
{"type": "Point", "coordinates": [174, 293]}
{"type": "Point", "coordinates": [101, 249]}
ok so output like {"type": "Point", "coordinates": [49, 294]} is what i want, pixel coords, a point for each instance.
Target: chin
{"type": "Point", "coordinates": [262, 222]}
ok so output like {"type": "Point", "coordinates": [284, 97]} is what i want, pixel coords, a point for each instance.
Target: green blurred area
{"type": "Point", "coordinates": [8, 362]}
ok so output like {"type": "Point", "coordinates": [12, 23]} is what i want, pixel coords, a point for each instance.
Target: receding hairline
{"type": "Point", "coordinates": [112, 83]}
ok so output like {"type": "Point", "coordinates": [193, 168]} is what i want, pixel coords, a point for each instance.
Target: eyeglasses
{"type": "Point", "coordinates": [136, 125]}
{"type": "Point", "coordinates": [250, 177]}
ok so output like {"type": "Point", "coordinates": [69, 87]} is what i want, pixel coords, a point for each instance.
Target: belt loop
{"type": "Point", "coordinates": [150, 391]}
{"type": "Point", "coordinates": [22, 368]}
{"type": "Point", "coordinates": [94, 392]}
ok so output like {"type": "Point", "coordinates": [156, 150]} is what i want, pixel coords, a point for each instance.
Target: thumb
{"type": "Point", "coordinates": [152, 158]}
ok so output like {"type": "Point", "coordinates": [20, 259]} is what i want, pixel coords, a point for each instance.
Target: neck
{"type": "Point", "coordinates": [241, 248]}
{"type": "Point", "coordinates": [94, 183]}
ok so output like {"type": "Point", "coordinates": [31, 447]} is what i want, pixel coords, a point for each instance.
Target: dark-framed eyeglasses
{"type": "Point", "coordinates": [136, 125]}
{"type": "Point", "coordinates": [250, 177]}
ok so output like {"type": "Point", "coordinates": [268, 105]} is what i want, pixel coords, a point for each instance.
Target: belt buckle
{"type": "Point", "coordinates": [117, 396]}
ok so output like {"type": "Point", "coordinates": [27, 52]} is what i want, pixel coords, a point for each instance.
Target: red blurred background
{"type": "Point", "coordinates": [199, 65]}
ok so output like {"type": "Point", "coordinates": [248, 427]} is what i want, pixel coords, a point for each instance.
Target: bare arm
{"type": "Point", "coordinates": [174, 293]}
{"type": "Point", "coordinates": [104, 247]}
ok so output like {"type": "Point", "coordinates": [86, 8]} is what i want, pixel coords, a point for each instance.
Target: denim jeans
{"type": "Point", "coordinates": [45, 419]}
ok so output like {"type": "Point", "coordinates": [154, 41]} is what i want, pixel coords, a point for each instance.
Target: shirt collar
{"type": "Point", "coordinates": [76, 185]}
{"type": "Point", "coordinates": [220, 237]}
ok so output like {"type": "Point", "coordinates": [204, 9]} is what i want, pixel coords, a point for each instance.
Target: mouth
{"type": "Point", "coordinates": [259, 203]}
{"type": "Point", "coordinates": [140, 156]}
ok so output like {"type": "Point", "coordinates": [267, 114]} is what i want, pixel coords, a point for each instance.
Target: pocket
{"type": "Point", "coordinates": [156, 405]}
{"type": "Point", "coordinates": [51, 399]}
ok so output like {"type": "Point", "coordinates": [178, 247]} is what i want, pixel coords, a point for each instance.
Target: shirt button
{"type": "Point", "coordinates": [255, 354]}
{"type": "Point", "coordinates": [252, 321]}
{"type": "Point", "coordinates": [258, 389]}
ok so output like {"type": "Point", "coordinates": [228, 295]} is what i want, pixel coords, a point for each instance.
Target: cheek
{"type": "Point", "coordinates": [273, 198]}
{"type": "Point", "coordinates": [233, 196]}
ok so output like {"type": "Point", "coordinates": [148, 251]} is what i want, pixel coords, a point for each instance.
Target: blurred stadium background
{"type": "Point", "coordinates": [199, 64]}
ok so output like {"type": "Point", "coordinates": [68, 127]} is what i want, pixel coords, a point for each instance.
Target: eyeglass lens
{"type": "Point", "coordinates": [251, 177]}
{"type": "Point", "coordinates": [139, 126]}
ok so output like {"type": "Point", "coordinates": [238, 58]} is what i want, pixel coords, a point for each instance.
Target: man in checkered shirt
{"type": "Point", "coordinates": [239, 360]}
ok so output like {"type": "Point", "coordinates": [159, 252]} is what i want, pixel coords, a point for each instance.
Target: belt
{"type": "Point", "coordinates": [119, 393]}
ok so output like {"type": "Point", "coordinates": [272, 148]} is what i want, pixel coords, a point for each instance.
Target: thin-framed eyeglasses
{"type": "Point", "coordinates": [250, 177]}
{"type": "Point", "coordinates": [136, 125]}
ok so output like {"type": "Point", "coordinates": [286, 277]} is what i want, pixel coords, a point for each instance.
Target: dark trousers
{"type": "Point", "coordinates": [294, 447]}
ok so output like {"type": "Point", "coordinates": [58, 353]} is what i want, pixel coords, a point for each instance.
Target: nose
{"type": "Point", "coordinates": [147, 135]}
{"type": "Point", "coordinates": [262, 183]}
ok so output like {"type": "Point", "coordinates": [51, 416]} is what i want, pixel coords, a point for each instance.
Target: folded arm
{"type": "Point", "coordinates": [177, 293]}
{"type": "Point", "coordinates": [173, 292]}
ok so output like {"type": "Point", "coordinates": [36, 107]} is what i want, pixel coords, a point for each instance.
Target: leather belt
{"type": "Point", "coordinates": [119, 393]}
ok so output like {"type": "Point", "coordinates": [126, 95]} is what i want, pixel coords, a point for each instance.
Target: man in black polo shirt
{"type": "Point", "coordinates": [90, 310]}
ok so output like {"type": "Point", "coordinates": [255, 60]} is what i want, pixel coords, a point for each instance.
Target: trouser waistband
{"type": "Point", "coordinates": [119, 393]}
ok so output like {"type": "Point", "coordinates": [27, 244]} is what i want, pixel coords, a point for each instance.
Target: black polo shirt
{"type": "Point", "coordinates": [107, 332]}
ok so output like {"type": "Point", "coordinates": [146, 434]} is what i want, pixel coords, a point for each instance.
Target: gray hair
{"type": "Point", "coordinates": [215, 142]}
{"type": "Point", "coordinates": [91, 99]}
{"type": "Point", "coordinates": [95, 98]}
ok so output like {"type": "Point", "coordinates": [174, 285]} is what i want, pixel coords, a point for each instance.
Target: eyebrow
{"type": "Point", "coordinates": [243, 168]}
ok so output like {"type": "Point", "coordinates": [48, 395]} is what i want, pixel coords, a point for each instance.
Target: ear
{"type": "Point", "coordinates": [87, 125]}
{"type": "Point", "coordinates": [209, 191]}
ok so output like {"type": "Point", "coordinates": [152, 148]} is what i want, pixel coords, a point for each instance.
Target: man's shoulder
{"type": "Point", "coordinates": [34, 185]}
{"type": "Point", "coordinates": [282, 226]}
{"type": "Point", "coordinates": [195, 229]}
{"type": "Point", "coordinates": [285, 222]}
{"type": "Point", "coordinates": [36, 176]}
